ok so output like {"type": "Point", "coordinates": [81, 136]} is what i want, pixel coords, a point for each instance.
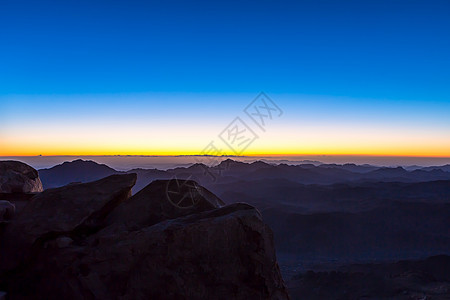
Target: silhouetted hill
{"type": "Point", "coordinates": [406, 279]}
{"type": "Point", "coordinates": [445, 168]}
{"type": "Point", "coordinates": [402, 175]}
{"type": "Point", "coordinates": [229, 171]}
{"type": "Point", "coordinates": [349, 197]}
{"type": "Point", "coordinates": [397, 230]}
{"type": "Point", "coordinates": [74, 171]}
{"type": "Point", "coordinates": [351, 167]}
{"type": "Point", "coordinates": [311, 174]}
{"type": "Point", "coordinates": [145, 176]}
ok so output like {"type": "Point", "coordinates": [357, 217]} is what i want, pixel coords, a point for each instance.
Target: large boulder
{"type": "Point", "coordinates": [226, 253]}
{"type": "Point", "coordinates": [17, 177]}
{"type": "Point", "coordinates": [162, 200]}
{"type": "Point", "coordinates": [73, 208]}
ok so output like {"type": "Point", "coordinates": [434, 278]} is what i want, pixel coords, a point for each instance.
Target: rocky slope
{"type": "Point", "coordinates": [414, 279]}
{"type": "Point", "coordinates": [173, 240]}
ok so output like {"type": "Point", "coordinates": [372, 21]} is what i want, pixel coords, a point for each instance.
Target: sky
{"type": "Point", "coordinates": [170, 78]}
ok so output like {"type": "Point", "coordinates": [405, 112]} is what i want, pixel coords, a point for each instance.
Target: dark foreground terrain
{"type": "Point", "coordinates": [171, 240]}
{"type": "Point", "coordinates": [421, 279]}
{"type": "Point", "coordinates": [340, 231]}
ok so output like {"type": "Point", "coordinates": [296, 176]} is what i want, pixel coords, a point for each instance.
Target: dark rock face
{"type": "Point", "coordinates": [179, 198]}
{"type": "Point", "coordinates": [17, 177]}
{"type": "Point", "coordinates": [7, 211]}
{"type": "Point", "coordinates": [78, 207]}
{"type": "Point", "coordinates": [92, 241]}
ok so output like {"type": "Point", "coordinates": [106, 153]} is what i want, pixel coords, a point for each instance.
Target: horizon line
{"type": "Point", "coordinates": [250, 155]}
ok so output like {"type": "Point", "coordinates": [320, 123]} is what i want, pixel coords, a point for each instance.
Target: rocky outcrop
{"type": "Point", "coordinates": [17, 177]}
{"type": "Point", "coordinates": [170, 241]}
{"type": "Point", "coordinates": [74, 208]}
{"type": "Point", "coordinates": [226, 253]}
{"type": "Point", "coordinates": [162, 200]}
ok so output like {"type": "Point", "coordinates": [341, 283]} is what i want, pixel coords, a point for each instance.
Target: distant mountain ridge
{"type": "Point", "coordinates": [74, 171]}
{"type": "Point", "coordinates": [445, 168]}
{"type": "Point", "coordinates": [231, 170]}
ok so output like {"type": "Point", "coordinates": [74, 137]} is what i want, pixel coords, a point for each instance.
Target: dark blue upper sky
{"type": "Point", "coordinates": [109, 77]}
{"type": "Point", "coordinates": [364, 49]}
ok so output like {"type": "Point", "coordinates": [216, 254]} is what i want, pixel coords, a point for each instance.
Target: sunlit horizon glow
{"type": "Point", "coordinates": [140, 125]}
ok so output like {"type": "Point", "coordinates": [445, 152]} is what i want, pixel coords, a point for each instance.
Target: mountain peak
{"type": "Point", "coordinates": [74, 171]}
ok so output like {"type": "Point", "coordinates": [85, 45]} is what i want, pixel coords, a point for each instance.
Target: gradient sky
{"type": "Point", "coordinates": [166, 77]}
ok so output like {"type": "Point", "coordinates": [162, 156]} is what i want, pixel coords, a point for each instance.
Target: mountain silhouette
{"type": "Point", "coordinates": [74, 171]}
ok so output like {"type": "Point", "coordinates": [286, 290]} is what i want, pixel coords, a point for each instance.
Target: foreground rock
{"type": "Point", "coordinates": [91, 241]}
{"type": "Point", "coordinates": [17, 177]}
{"type": "Point", "coordinates": [226, 253]}
{"type": "Point", "coordinates": [77, 208]}
{"type": "Point", "coordinates": [165, 199]}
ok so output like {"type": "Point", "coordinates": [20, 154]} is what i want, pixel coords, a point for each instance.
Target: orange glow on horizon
{"type": "Point", "coordinates": [288, 143]}
{"type": "Point", "coordinates": [176, 152]}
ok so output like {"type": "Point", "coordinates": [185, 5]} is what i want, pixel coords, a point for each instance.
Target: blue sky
{"type": "Point", "coordinates": [379, 60]}
{"type": "Point", "coordinates": [369, 49]}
